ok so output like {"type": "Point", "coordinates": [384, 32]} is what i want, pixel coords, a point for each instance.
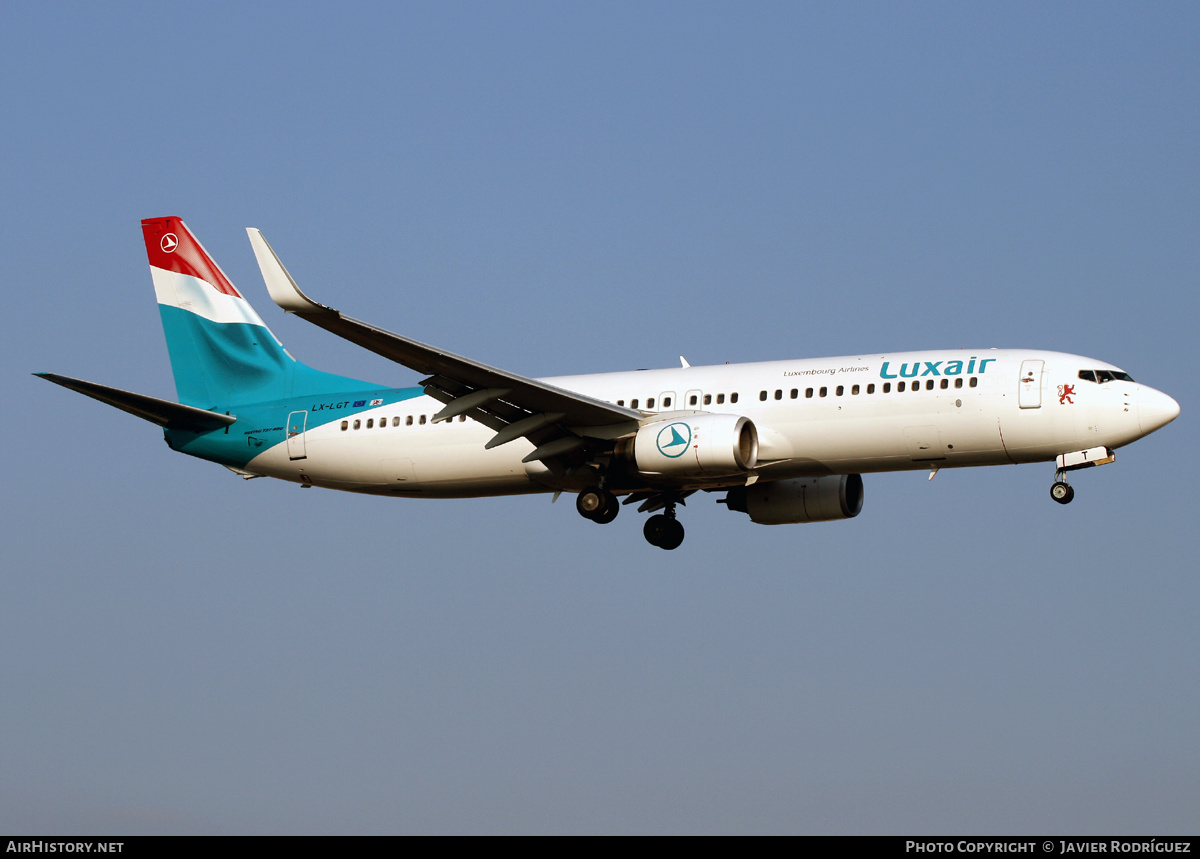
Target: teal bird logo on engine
{"type": "Point", "coordinates": [673, 440]}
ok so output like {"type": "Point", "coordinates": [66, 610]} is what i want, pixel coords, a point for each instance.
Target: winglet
{"type": "Point", "coordinates": [283, 289]}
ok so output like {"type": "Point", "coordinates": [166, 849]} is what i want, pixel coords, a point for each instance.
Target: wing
{"type": "Point", "coordinates": [558, 422]}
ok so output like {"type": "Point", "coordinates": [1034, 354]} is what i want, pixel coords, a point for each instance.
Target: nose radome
{"type": "Point", "coordinates": [1155, 409]}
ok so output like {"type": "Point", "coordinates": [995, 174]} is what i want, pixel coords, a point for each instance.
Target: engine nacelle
{"type": "Point", "coordinates": [801, 499]}
{"type": "Point", "coordinates": [703, 445]}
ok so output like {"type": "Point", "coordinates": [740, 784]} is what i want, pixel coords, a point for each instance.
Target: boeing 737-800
{"type": "Point", "coordinates": [787, 441]}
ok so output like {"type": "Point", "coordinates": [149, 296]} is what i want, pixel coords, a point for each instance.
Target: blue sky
{"type": "Point", "coordinates": [561, 188]}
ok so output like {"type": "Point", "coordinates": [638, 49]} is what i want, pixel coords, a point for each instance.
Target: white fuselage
{"type": "Point", "coordinates": [845, 415]}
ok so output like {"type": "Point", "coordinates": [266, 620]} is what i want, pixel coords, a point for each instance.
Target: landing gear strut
{"type": "Point", "coordinates": [664, 530]}
{"type": "Point", "coordinates": [597, 504]}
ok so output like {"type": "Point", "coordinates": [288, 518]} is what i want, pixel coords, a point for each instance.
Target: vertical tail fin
{"type": "Point", "coordinates": [221, 352]}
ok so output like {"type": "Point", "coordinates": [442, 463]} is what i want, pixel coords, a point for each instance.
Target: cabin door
{"type": "Point", "coordinates": [1029, 389]}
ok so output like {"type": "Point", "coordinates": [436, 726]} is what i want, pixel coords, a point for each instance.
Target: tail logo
{"type": "Point", "coordinates": [169, 242]}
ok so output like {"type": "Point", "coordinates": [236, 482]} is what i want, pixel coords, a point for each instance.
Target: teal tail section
{"type": "Point", "coordinates": [231, 363]}
{"type": "Point", "coordinates": [222, 354]}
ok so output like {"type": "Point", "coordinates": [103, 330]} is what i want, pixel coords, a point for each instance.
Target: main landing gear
{"type": "Point", "coordinates": [597, 504]}
{"type": "Point", "coordinates": [664, 530]}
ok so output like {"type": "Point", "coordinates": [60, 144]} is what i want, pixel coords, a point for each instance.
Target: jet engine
{"type": "Point", "coordinates": [800, 499]}
{"type": "Point", "coordinates": [700, 446]}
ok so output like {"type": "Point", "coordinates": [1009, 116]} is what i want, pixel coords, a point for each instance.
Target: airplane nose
{"type": "Point", "coordinates": [1155, 409]}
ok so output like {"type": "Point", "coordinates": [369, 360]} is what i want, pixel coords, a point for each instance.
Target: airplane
{"type": "Point", "coordinates": [786, 441]}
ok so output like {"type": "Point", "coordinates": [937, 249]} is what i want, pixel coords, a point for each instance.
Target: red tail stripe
{"type": "Point", "coordinates": [170, 245]}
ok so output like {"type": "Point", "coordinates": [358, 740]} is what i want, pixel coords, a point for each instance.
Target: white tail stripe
{"type": "Point", "coordinates": [196, 296]}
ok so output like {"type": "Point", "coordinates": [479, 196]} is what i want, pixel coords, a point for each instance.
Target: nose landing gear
{"type": "Point", "coordinates": [1061, 491]}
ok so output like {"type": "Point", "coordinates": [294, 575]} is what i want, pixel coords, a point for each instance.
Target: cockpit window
{"type": "Point", "coordinates": [1103, 376]}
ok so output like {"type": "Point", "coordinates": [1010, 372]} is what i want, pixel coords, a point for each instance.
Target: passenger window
{"type": "Point", "coordinates": [795, 393]}
{"type": "Point", "coordinates": [778, 394]}
{"type": "Point", "coordinates": [808, 392]}
{"type": "Point", "coordinates": [357, 424]}
{"type": "Point", "coordinates": [720, 399]}
{"type": "Point", "coordinates": [692, 400]}
{"type": "Point", "coordinates": [620, 402]}
{"type": "Point", "coordinates": [916, 387]}
{"type": "Point", "coordinates": [900, 387]}
{"type": "Point", "coordinates": [854, 390]}
{"type": "Point", "coordinates": [887, 387]}
{"type": "Point", "coordinates": [840, 389]}
{"type": "Point", "coordinates": [422, 421]}
{"type": "Point", "coordinates": [708, 399]}
{"type": "Point", "coordinates": [762, 395]}
{"type": "Point", "coordinates": [929, 385]}
{"type": "Point", "coordinates": [462, 419]}
{"type": "Point", "coordinates": [633, 403]}
{"type": "Point", "coordinates": [945, 384]}
{"type": "Point", "coordinates": [824, 392]}
{"type": "Point", "coordinates": [958, 382]}
{"type": "Point", "coordinates": [733, 397]}
{"type": "Point", "coordinates": [666, 402]}
{"type": "Point", "coordinates": [871, 388]}
{"type": "Point", "coordinates": [974, 381]}
{"type": "Point", "coordinates": [396, 421]}
{"type": "Point", "coordinates": [408, 421]}
{"type": "Point", "coordinates": [370, 422]}
{"type": "Point", "coordinates": [345, 425]}
{"type": "Point", "coordinates": [650, 402]}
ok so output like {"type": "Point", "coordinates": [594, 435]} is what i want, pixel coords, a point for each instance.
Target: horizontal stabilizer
{"type": "Point", "coordinates": [162, 412]}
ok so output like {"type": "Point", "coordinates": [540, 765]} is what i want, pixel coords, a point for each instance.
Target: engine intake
{"type": "Point", "coordinates": [801, 499]}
